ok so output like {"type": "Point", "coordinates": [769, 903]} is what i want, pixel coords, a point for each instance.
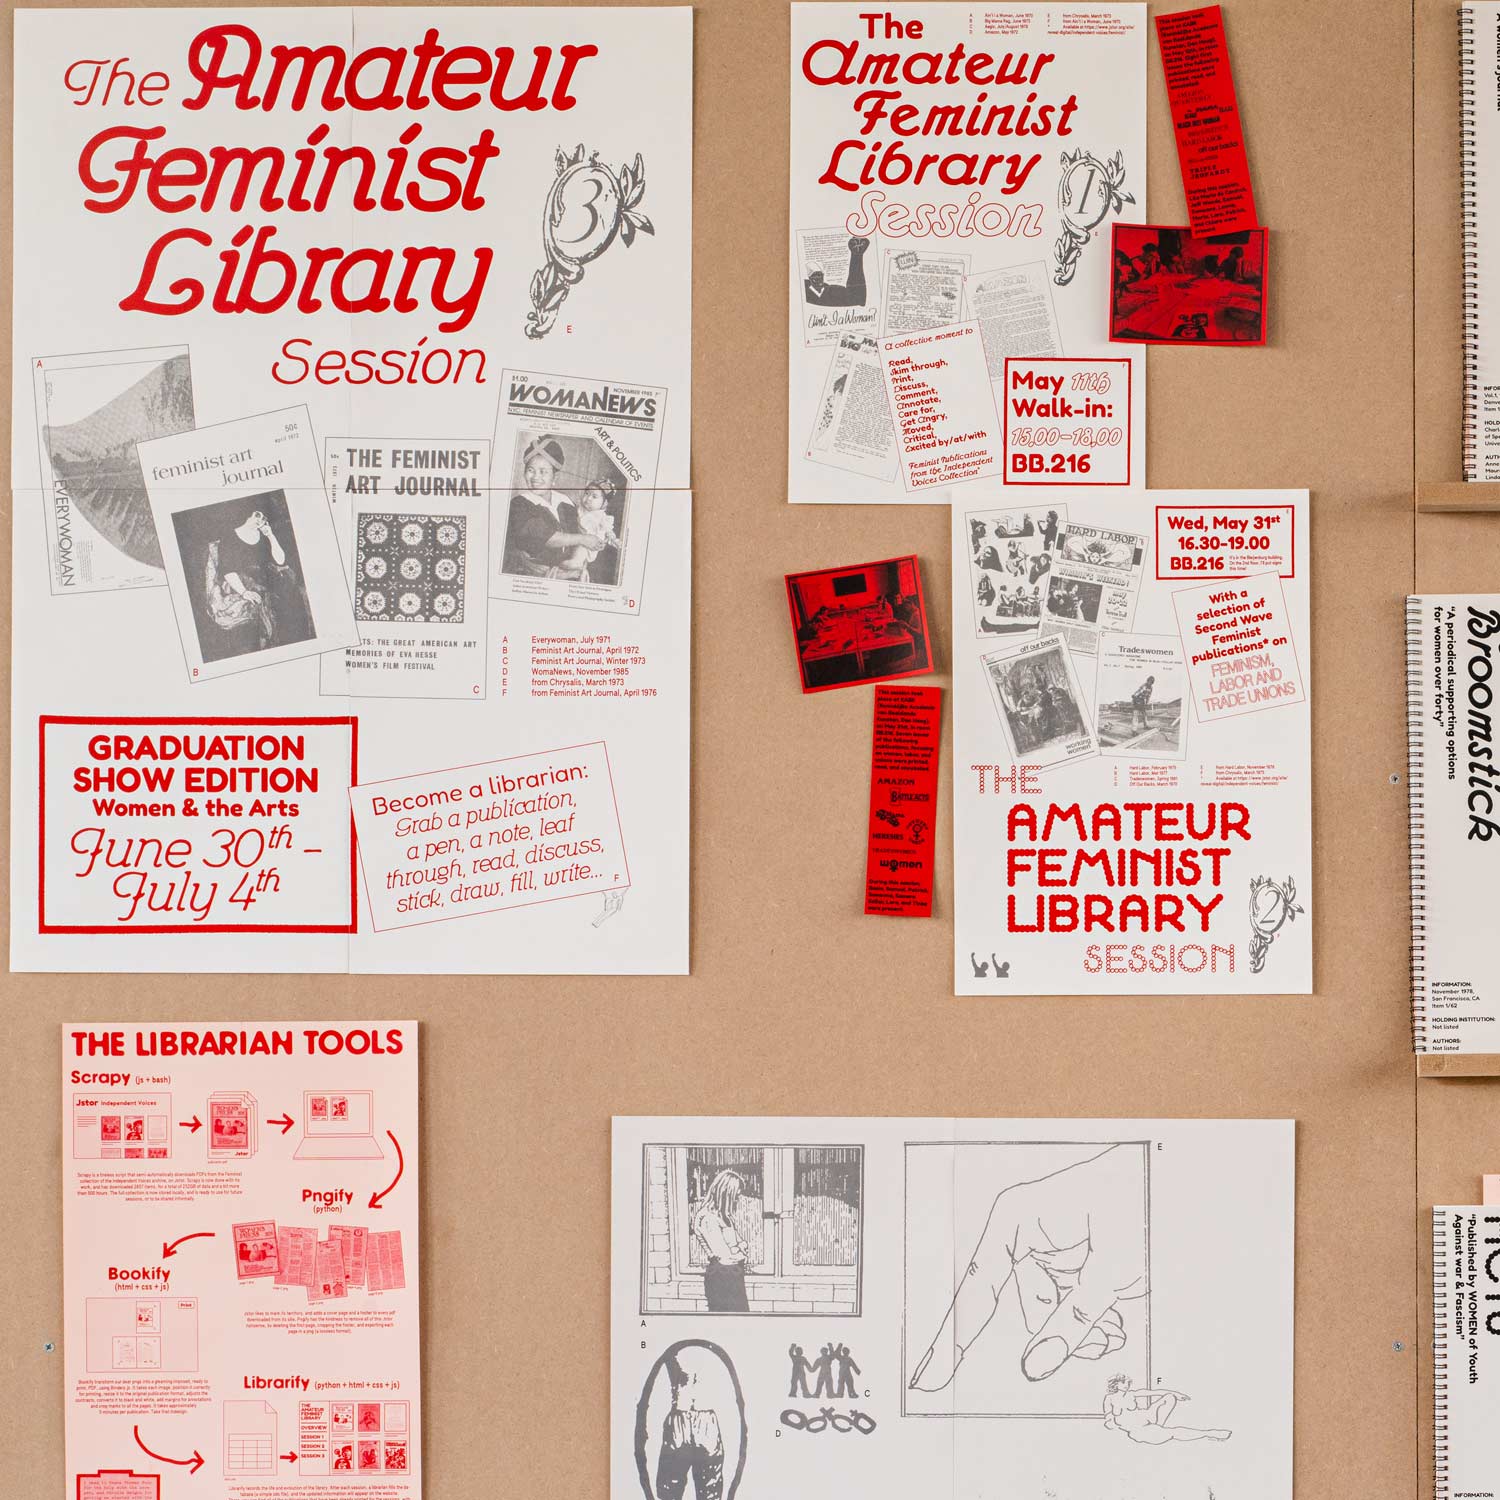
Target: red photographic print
{"type": "Point", "coordinates": [1170, 287]}
{"type": "Point", "coordinates": [862, 624]}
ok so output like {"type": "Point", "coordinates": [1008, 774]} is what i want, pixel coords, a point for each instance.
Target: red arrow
{"type": "Point", "coordinates": [170, 1250]}
{"type": "Point", "coordinates": [193, 1126]}
{"type": "Point", "coordinates": [400, 1168]}
{"type": "Point", "coordinates": [291, 1458]}
{"type": "Point", "coordinates": [192, 1464]}
{"type": "Point", "coordinates": [285, 1121]}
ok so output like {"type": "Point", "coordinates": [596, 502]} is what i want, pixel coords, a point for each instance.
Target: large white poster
{"type": "Point", "coordinates": [350, 444]}
{"type": "Point", "coordinates": [1133, 745]}
{"type": "Point", "coordinates": [962, 165]}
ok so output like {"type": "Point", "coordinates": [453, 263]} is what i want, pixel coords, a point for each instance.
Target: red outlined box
{"type": "Point", "coordinates": [1075, 457]}
{"type": "Point", "coordinates": [117, 1484]}
{"type": "Point", "coordinates": [152, 827]}
{"type": "Point", "coordinates": [482, 884]}
{"type": "Point", "coordinates": [1239, 645]}
{"type": "Point", "coordinates": [1204, 560]}
{"type": "Point", "coordinates": [864, 623]}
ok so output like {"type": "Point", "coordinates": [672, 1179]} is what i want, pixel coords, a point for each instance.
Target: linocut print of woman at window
{"type": "Point", "coordinates": [713, 1227]}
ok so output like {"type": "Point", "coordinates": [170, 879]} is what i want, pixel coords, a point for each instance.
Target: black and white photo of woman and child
{"type": "Point", "coordinates": [567, 511]}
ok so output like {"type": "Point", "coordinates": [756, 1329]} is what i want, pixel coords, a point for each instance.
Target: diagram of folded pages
{"type": "Point", "coordinates": [249, 1439]}
{"type": "Point", "coordinates": [127, 1335]}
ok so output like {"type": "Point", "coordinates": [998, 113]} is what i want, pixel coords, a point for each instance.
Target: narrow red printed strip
{"type": "Point", "coordinates": [903, 800]}
{"type": "Point", "coordinates": [1206, 121]}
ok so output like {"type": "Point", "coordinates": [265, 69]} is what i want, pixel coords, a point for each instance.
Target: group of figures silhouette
{"type": "Point", "coordinates": [834, 1367]}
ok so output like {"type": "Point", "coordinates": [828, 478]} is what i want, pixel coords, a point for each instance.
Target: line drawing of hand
{"type": "Point", "coordinates": [1072, 1244]}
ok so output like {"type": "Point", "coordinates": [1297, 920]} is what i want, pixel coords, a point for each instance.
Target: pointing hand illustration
{"type": "Point", "coordinates": [1069, 1247]}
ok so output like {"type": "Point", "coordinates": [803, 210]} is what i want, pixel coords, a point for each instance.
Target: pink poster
{"type": "Point", "coordinates": [240, 1258]}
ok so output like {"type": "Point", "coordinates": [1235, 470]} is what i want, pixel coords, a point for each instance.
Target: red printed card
{"type": "Point", "coordinates": [1206, 121]}
{"type": "Point", "coordinates": [1172, 287]}
{"type": "Point", "coordinates": [903, 801]}
{"type": "Point", "coordinates": [859, 624]}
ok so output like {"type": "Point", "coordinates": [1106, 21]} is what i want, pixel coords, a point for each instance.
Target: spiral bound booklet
{"type": "Point", "coordinates": [1465, 1349]}
{"type": "Point", "coordinates": [1453, 780]}
{"type": "Point", "coordinates": [1479, 41]}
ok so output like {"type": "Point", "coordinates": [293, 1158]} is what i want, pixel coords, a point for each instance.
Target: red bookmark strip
{"type": "Point", "coordinates": [1206, 121]}
{"type": "Point", "coordinates": [903, 801]}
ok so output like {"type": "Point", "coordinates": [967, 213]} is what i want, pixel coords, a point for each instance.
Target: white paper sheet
{"type": "Point", "coordinates": [948, 156]}
{"type": "Point", "coordinates": [1033, 1309]}
{"type": "Point", "coordinates": [350, 442]}
{"type": "Point", "coordinates": [1132, 743]}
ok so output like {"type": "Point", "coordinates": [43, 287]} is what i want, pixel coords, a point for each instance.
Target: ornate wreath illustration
{"type": "Point", "coordinates": [588, 207]}
{"type": "Point", "coordinates": [1272, 905]}
{"type": "Point", "coordinates": [1088, 192]}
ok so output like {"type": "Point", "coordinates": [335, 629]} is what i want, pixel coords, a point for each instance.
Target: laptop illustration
{"type": "Point", "coordinates": [338, 1126]}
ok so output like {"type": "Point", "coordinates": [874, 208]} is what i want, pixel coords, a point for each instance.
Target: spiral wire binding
{"type": "Point", "coordinates": [1441, 1473]}
{"type": "Point", "coordinates": [1416, 822]}
{"type": "Point", "coordinates": [1471, 242]}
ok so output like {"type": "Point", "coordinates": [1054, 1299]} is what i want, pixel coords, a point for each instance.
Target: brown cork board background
{"type": "Point", "coordinates": [799, 1004]}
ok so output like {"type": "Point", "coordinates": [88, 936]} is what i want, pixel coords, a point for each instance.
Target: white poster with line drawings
{"type": "Point", "coordinates": [922, 291]}
{"type": "Point", "coordinates": [1141, 696]}
{"type": "Point", "coordinates": [1039, 701]}
{"type": "Point", "coordinates": [1093, 583]}
{"type": "Point", "coordinates": [953, 166]}
{"type": "Point", "coordinates": [351, 401]}
{"type": "Point", "coordinates": [1133, 745]}
{"type": "Point", "coordinates": [910, 1306]}
{"type": "Point", "coordinates": [840, 292]}
{"type": "Point", "coordinates": [252, 558]}
{"type": "Point", "coordinates": [1014, 309]}
{"type": "Point", "coordinates": [1011, 554]}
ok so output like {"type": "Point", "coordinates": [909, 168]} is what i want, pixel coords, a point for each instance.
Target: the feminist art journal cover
{"type": "Point", "coordinates": [955, 173]}
{"type": "Point", "coordinates": [350, 453]}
